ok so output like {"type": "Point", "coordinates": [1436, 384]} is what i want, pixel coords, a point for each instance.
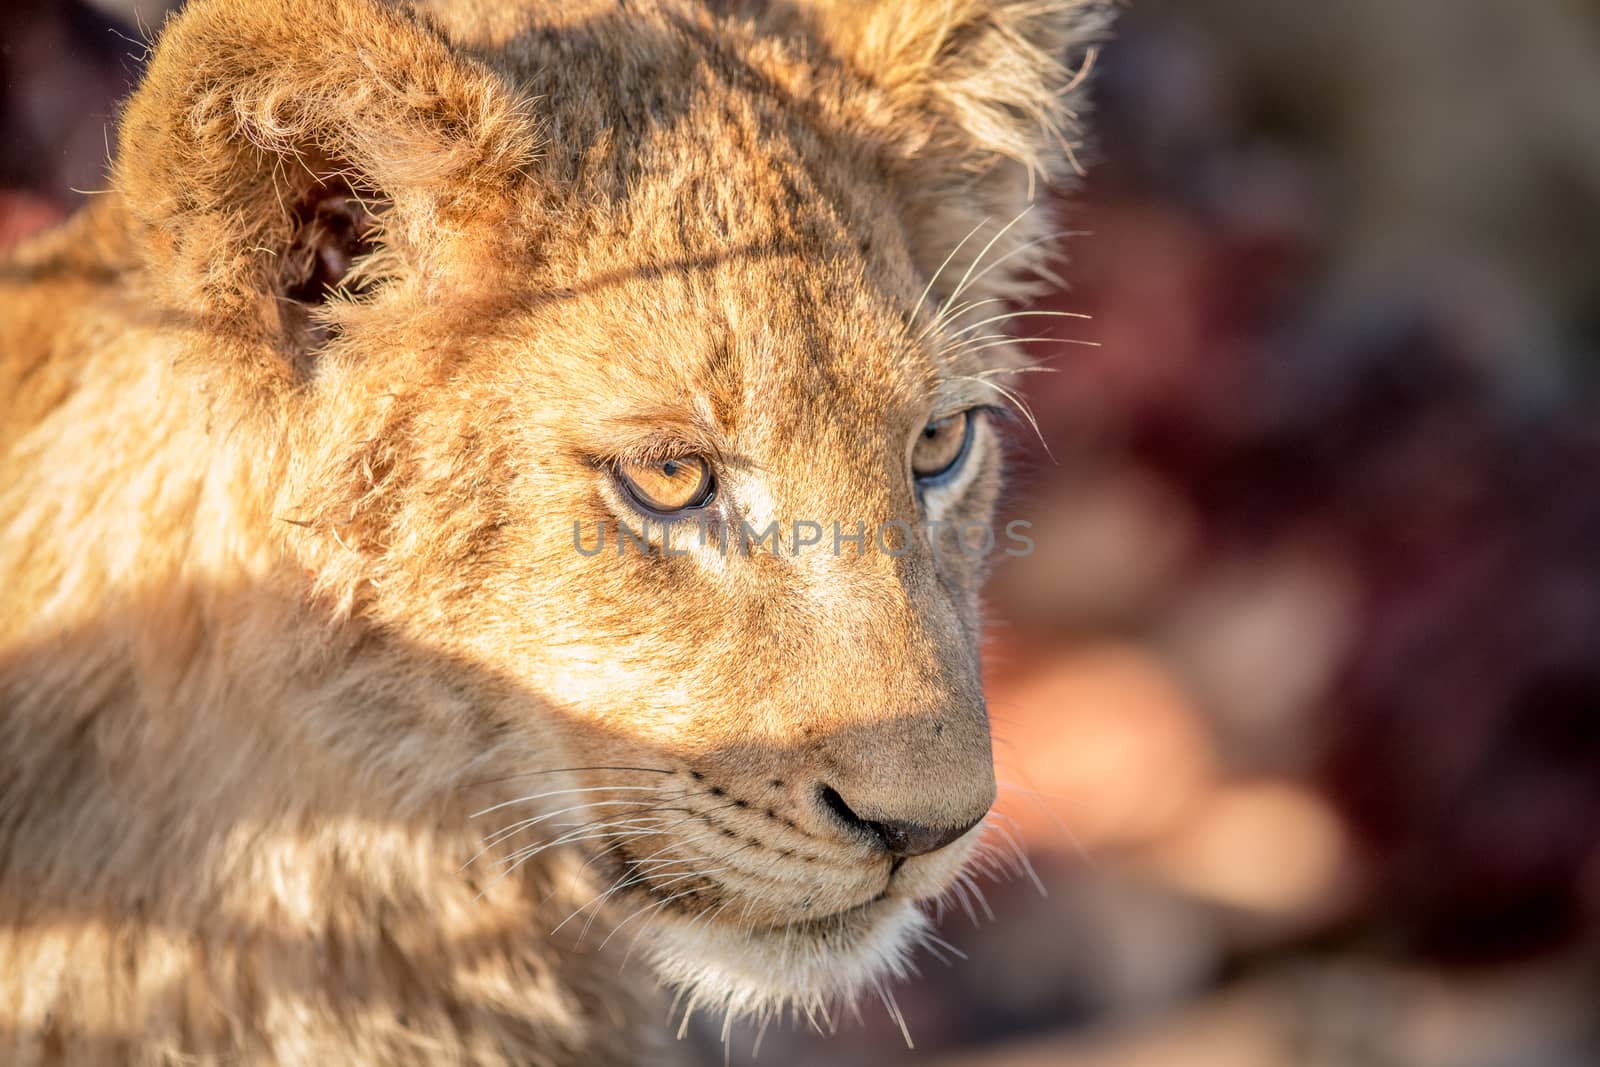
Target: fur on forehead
{"type": "Point", "coordinates": [955, 113]}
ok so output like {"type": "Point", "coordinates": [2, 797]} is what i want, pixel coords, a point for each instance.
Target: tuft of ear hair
{"type": "Point", "coordinates": [985, 99]}
{"type": "Point", "coordinates": [275, 143]}
{"type": "Point", "coordinates": [997, 70]}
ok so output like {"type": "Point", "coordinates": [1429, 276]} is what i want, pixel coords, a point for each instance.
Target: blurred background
{"type": "Point", "coordinates": [1298, 699]}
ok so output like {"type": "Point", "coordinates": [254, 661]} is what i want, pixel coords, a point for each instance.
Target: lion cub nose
{"type": "Point", "coordinates": [898, 837]}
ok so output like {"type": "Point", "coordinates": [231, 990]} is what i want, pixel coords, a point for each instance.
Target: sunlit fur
{"type": "Point", "coordinates": [320, 742]}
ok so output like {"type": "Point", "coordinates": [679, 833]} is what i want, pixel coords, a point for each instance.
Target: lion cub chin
{"type": "Point", "coordinates": [496, 486]}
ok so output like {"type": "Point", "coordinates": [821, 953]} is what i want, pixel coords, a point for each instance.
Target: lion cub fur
{"type": "Point", "coordinates": [287, 581]}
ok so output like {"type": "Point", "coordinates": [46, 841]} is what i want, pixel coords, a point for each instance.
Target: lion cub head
{"type": "Point", "coordinates": [641, 362]}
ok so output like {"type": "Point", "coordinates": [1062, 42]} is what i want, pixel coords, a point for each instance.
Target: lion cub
{"type": "Point", "coordinates": [476, 497]}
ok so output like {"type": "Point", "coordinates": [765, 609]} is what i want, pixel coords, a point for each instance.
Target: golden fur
{"type": "Point", "coordinates": [290, 588]}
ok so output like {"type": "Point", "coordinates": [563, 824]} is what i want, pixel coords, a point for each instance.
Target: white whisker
{"type": "Point", "coordinates": [922, 298]}
{"type": "Point", "coordinates": [961, 286]}
{"type": "Point", "coordinates": [887, 996]}
{"type": "Point", "coordinates": [563, 792]}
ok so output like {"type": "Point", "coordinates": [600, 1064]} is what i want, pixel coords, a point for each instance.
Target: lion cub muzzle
{"type": "Point", "coordinates": [906, 787]}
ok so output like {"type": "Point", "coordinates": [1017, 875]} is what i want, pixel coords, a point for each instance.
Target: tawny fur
{"type": "Point", "coordinates": [290, 588]}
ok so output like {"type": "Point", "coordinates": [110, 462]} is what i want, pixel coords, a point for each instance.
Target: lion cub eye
{"type": "Point", "coordinates": [668, 485]}
{"type": "Point", "coordinates": [941, 446]}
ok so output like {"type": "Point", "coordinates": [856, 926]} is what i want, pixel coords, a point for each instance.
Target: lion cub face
{"type": "Point", "coordinates": [648, 364]}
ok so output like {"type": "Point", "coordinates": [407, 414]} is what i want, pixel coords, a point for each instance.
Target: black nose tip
{"type": "Point", "coordinates": [907, 839]}
{"type": "Point", "coordinates": [897, 837]}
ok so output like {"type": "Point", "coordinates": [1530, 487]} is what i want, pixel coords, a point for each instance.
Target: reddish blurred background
{"type": "Point", "coordinates": [1298, 699]}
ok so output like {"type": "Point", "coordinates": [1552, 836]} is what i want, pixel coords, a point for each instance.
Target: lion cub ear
{"type": "Point", "coordinates": [279, 151]}
{"type": "Point", "coordinates": [985, 104]}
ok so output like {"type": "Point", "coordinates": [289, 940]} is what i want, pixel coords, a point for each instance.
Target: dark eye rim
{"type": "Point", "coordinates": [705, 494]}
{"type": "Point", "coordinates": [948, 471]}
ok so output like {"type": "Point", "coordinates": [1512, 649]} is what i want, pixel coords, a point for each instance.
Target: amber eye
{"type": "Point", "coordinates": [941, 446]}
{"type": "Point", "coordinates": [668, 485]}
